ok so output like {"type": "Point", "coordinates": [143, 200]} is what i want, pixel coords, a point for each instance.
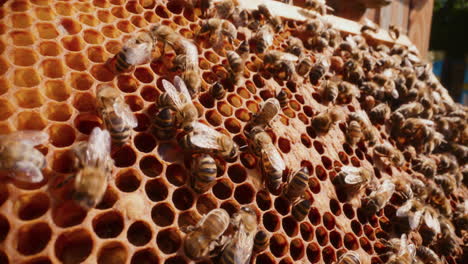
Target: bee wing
{"type": "Point", "coordinates": [204, 136]}
{"type": "Point", "coordinates": [30, 137]}
{"type": "Point", "coordinates": [266, 34]}
{"type": "Point", "coordinates": [28, 172]}
{"type": "Point", "coordinates": [386, 189]}
{"type": "Point", "coordinates": [124, 111]}
{"type": "Point", "coordinates": [274, 157]}
{"type": "Point", "coordinates": [191, 53]}
{"type": "Point", "coordinates": [415, 219]}
{"type": "Point", "coordinates": [289, 57]}
{"type": "Point", "coordinates": [182, 88]}
{"type": "Point", "coordinates": [432, 222]}
{"type": "Point", "coordinates": [98, 149]}
{"type": "Point", "coordinates": [272, 107]}
{"type": "Point", "coordinates": [354, 179]}
{"type": "Point", "coordinates": [137, 53]}
{"type": "Point", "coordinates": [173, 94]}
{"type": "Point", "coordinates": [243, 248]}
{"type": "Point", "coordinates": [404, 210]}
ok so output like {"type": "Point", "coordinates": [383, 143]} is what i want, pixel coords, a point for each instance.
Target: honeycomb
{"type": "Point", "coordinates": [52, 59]}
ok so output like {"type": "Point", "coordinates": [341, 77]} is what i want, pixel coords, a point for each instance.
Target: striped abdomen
{"type": "Point", "coordinates": [204, 173]}
{"type": "Point", "coordinates": [121, 64]}
{"type": "Point", "coordinates": [301, 209]}
{"type": "Point", "coordinates": [118, 129]}
{"type": "Point", "coordinates": [298, 184]}
{"type": "Point", "coordinates": [274, 176]}
{"type": "Point", "coordinates": [164, 122]}
{"type": "Point", "coordinates": [261, 241]}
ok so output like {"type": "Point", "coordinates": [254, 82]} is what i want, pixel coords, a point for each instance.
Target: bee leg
{"type": "Point", "coordinates": [65, 181]}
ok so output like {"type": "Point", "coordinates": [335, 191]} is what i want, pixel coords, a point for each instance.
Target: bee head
{"type": "Point", "coordinates": [83, 199]}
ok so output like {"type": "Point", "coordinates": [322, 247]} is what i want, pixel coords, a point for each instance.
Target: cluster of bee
{"type": "Point", "coordinates": [397, 94]}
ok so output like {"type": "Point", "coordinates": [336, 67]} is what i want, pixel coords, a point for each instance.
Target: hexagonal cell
{"type": "Point", "coordinates": [32, 206]}
{"type": "Point", "coordinates": [327, 162]}
{"type": "Point", "coordinates": [234, 100]}
{"type": "Point", "coordinates": [263, 200]}
{"type": "Point", "coordinates": [22, 38]}
{"type": "Point", "coordinates": [321, 173]}
{"type": "Point", "coordinates": [61, 135]}
{"type": "Point", "coordinates": [24, 57]}
{"type": "Point", "coordinates": [33, 238]}
{"type": "Point", "coordinates": [52, 68]}
{"type": "Point", "coordinates": [213, 117]}
{"type": "Point", "coordinates": [81, 81]}
{"type": "Point", "coordinates": [57, 90]}
{"type": "Point", "coordinates": [6, 109]}
{"type": "Point", "coordinates": [4, 86]}
{"type": "Point", "coordinates": [125, 26]}
{"type": "Point", "coordinates": [108, 225]}
{"type": "Point", "coordinates": [44, 13]}
{"type": "Point", "coordinates": [223, 189]}
{"type": "Point", "coordinates": [105, 16]}
{"type": "Point", "coordinates": [350, 242]}
{"type": "Point", "coordinates": [57, 111]}
{"type": "Point", "coordinates": [265, 258]}
{"type": "Point", "coordinates": [112, 253]}
{"type": "Point", "coordinates": [76, 61]}
{"type": "Point", "coordinates": [74, 246]}
{"type": "Point", "coordinates": [296, 249]}
{"type": "Point", "coordinates": [356, 227]}
{"type": "Point", "coordinates": [314, 216]}
{"type": "Point", "coordinates": [84, 102]}
{"type": "Point", "coordinates": [128, 180]}
{"type": "Point", "coordinates": [322, 235]}
{"type": "Point", "coordinates": [244, 193]}
{"type": "Point", "coordinates": [182, 198]}
{"type": "Point", "coordinates": [29, 98]}
{"type": "Point", "coordinates": [271, 221]}
{"type": "Point", "coordinates": [328, 255]}
{"type": "Point", "coordinates": [232, 125]}
{"type": "Point", "coordinates": [29, 120]}
{"type": "Point", "coordinates": [97, 54]}
{"type": "Point", "coordinates": [119, 12]}
{"type": "Point", "coordinates": [139, 233]}
{"type": "Point", "coordinates": [127, 83]}
{"type": "Point", "coordinates": [4, 228]}
{"type": "Point", "coordinates": [206, 203]}
{"type": "Point", "coordinates": [168, 240]}
{"type": "Point", "coordinates": [64, 9]}
{"type": "Point", "coordinates": [61, 161]}
{"type": "Point", "coordinates": [149, 93]}
{"type": "Point", "coordinates": [282, 205]}
{"type": "Point", "coordinates": [336, 240]}
{"type": "Point", "coordinates": [278, 245]}
{"type": "Point", "coordinates": [73, 43]}
{"type": "Point", "coordinates": [38, 260]}
{"type": "Point", "coordinates": [290, 226]}
{"type": "Point", "coordinates": [124, 157]}
{"type": "Point", "coordinates": [150, 166]}
{"type": "Point", "coordinates": [145, 256]}
{"type": "Point", "coordinates": [329, 221]}
{"type": "Point", "coordinates": [113, 47]}
{"type": "Point", "coordinates": [46, 31]}
{"type": "Point", "coordinates": [188, 218]}
{"type": "Point", "coordinates": [176, 174]}
{"type": "Point", "coordinates": [89, 20]}
{"type": "Point", "coordinates": [21, 20]}
{"type": "Point", "coordinates": [313, 252]}
{"type": "Point", "coordinates": [176, 260]}
{"type": "Point", "coordinates": [92, 37]}
{"type": "Point", "coordinates": [25, 77]}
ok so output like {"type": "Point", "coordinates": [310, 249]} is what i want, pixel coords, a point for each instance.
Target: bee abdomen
{"type": "Point", "coordinates": [282, 98]}
{"type": "Point", "coordinates": [298, 184]}
{"type": "Point", "coordinates": [164, 122]}
{"type": "Point", "coordinates": [261, 241]}
{"type": "Point", "coordinates": [204, 174]}
{"type": "Point", "coordinates": [301, 209]}
{"type": "Point", "coordinates": [218, 91]}
{"type": "Point", "coordinates": [121, 63]}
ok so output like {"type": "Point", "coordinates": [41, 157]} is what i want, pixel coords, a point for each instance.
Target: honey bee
{"type": "Point", "coordinates": [225, 8]}
{"type": "Point", "coordinates": [448, 243]}
{"type": "Point", "coordinates": [204, 173]}
{"type": "Point", "coordinates": [427, 255]}
{"type": "Point", "coordinates": [164, 34]}
{"type": "Point", "coordinates": [95, 167]}
{"type": "Point", "coordinates": [267, 113]}
{"type": "Point", "coordinates": [353, 133]}
{"type": "Point", "coordinates": [304, 66]}
{"type": "Point", "coordinates": [403, 189]}
{"type": "Point", "coordinates": [394, 32]}
{"type": "Point", "coordinates": [324, 121]}
{"type": "Point", "coordinates": [207, 234]}
{"type": "Point", "coordinates": [243, 49]}
{"type": "Point", "coordinates": [386, 81]}
{"type": "Point", "coordinates": [430, 225]}
{"type": "Point", "coordinates": [351, 179]}
{"type": "Point", "coordinates": [19, 159]}
{"type": "Point", "coordinates": [239, 249]}
{"type": "Point", "coordinates": [217, 91]}
{"type": "Point", "coordinates": [349, 257]}
{"type": "Point", "coordinates": [317, 6]}
{"type": "Point", "coordinates": [137, 50]}
{"type": "Point", "coordinates": [329, 90]}
{"type": "Point", "coordinates": [261, 241]}
{"type": "Point", "coordinates": [425, 165]}
{"type": "Point", "coordinates": [369, 132]}
{"type": "Point", "coordinates": [369, 28]}
{"type": "Point", "coordinates": [318, 70]}
{"type": "Point", "coordinates": [438, 199]}
{"type": "Point", "coordinates": [280, 63]}
{"type": "Point", "coordinates": [379, 198]}
{"type": "Point", "coordinates": [460, 217]}
{"type": "Point", "coordinates": [274, 21]}
{"type": "Point", "coordinates": [178, 97]}
{"type": "Point", "coordinates": [410, 109]}
{"type": "Point", "coordinates": [272, 163]}
{"type": "Point", "coordinates": [206, 139]}
{"type": "Point", "coordinates": [263, 39]}
{"type": "Point", "coordinates": [412, 210]}
{"type": "Point", "coordinates": [298, 184]}
{"type": "Point", "coordinates": [406, 252]}
{"type": "Point", "coordinates": [216, 29]}
{"type": "Point", "coordinates": [236, 66]}
{"type": "Point", "coordinates": [386, 150]}
{"type": "Point", "coordinates": [346, 91]}
{"type": "Point", "coordinates": [379, 113]}
{"type": "Point", "coordinates": [191, 72]}
{"type": "Point", "coordinates": [353, 72]}
{"type": "Point", "coordinates": [117, 115]}
{"type": "Point", "coordinates": [447, 182]}
{"type": "Point", "coordinates": [295, 46]}
{"type": "Point", "coordinates": [301, 209]}
{"type": "Point", "coordinates": [282, 98]}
